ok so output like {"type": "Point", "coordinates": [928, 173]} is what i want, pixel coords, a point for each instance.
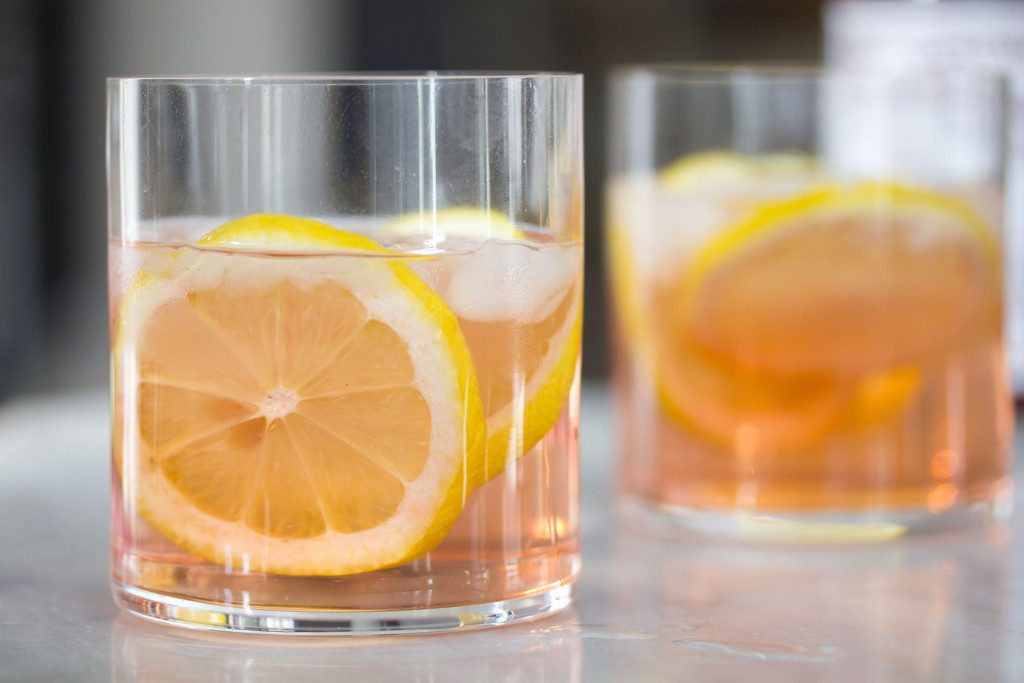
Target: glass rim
{"type": "Point", "coordinates": [343, 78]}
{"type": "Point", "coordinates": [721, 73]}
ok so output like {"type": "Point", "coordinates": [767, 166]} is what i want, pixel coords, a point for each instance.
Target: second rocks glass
{"type": "Point", "coordinates": [808, 291]}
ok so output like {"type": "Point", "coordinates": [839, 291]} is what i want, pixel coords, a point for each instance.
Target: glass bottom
{"type": "Point", "coordinates": [835, 526]}
{"type": "Point", "coordinates": [212, 617]}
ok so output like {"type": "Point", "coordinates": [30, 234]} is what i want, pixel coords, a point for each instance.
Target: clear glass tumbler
{"type": "Point", "coordinates": [808, 293]}
{"type": "Point", "coordinates": [345, 330]}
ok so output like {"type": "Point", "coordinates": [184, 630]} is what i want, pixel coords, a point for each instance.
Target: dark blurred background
{"type": "Point", "coordinates": [55, 55]}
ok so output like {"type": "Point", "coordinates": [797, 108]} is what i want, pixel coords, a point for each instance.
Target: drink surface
{"type": "Point", "coordinates": [338, 425]}
{"type": "Point", "coordinates": [789, 343]}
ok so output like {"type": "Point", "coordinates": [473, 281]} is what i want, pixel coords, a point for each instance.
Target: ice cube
{"type": "Point", "coordinates": [504, 280]}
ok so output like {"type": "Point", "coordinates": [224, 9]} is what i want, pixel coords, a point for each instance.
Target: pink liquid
{"type": "Point", "coordinates": [516, 534]}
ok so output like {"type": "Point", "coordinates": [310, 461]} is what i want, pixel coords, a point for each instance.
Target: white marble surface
{"type": "Point", "coordinates": [945, 607]}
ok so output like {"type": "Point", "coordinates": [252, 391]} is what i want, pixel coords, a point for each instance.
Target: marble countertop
{"type": "Point", "coordinates": [650, 607]}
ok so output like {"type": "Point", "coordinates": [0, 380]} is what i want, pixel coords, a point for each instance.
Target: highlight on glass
{"type": "Point", "coordinates": [345, 329]}
{"type": "Point", "coordinates": [808, 298]}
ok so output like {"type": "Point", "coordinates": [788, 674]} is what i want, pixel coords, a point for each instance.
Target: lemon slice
{"type": "Point", "coordinates": [525, 370]}
{"type": "Point", "coordinates": [279, 232]}
{"type": "Point", "coordinates": [729, 169]}
{"type": "Point", "coordinates": [853, 278]}
{"type": "Point", "coordinates": [837, 299]}
{"type": "Point", "coordinates": [689, 202]}
{"type": "Point", "coordinates": [298, 416]}
{"type": "Point", "coordinates": [460, 222]}
{"type": "Point", "coordinates": [519, 306]}
{"type": "Point", "coordinates": [626, 285]}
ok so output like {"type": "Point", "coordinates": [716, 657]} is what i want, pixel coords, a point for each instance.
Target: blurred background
{"type": "Point", "coordinates": [55, 55]}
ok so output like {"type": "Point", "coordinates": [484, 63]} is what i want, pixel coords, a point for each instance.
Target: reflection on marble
{"type": "Point", "coordinates": [547, 650]}
{"type": "Point", "coordinates": [651, 606]}
{"type": "Point", "coordinates": [661, 606]}
{"type": "Point", "coordinates": [906, 610]}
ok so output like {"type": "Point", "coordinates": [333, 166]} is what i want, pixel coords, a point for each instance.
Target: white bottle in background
{"type": "Point", "coordinates": [956, 33]}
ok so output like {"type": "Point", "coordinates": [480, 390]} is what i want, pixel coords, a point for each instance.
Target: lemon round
{"type": "Point", "coordinates": [293, 416]}
{"type": "Point", "coordinates": [726, 168]}
{"type": "Point", "coordinates": [524, 367]}
{"type": "Point", "coordinates": [458, 222]}
{"type": "Point", "coordinates": [851, 278]}
{"type": "Point", "coordinates": [836, 300]}
{"type": "Point", "coordinates": [514, 428]}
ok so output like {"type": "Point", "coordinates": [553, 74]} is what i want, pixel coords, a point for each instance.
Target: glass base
{"type": "Point", "coordinates": [213, 617]}
{"type": "Point", "coordinates": [838, 526]}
